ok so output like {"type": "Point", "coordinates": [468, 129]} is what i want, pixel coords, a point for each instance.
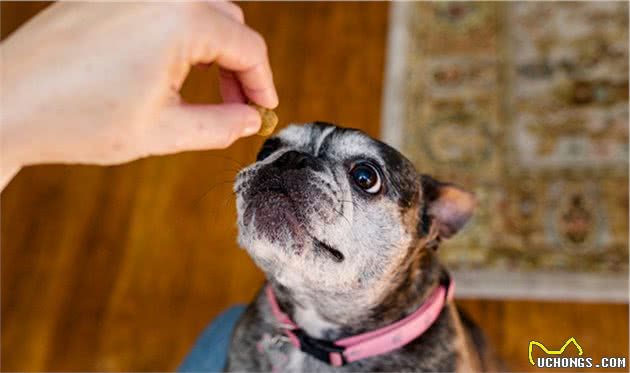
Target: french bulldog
{"type": "Point", "coordinates": [346, 231]}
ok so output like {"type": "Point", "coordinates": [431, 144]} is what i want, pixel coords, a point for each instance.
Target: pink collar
{"type": "Point", "coordinates": [377, 342]}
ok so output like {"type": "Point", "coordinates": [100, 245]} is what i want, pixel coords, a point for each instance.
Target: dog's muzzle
{"type": "Point", "coordinates": [288, 195]}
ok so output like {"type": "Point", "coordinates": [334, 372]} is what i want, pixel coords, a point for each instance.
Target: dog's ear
{"type": "Point", "coordinates": [448, 206]}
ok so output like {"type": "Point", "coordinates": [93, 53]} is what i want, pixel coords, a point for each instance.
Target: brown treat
{"type": "Point", "coordinates": [268, 118]}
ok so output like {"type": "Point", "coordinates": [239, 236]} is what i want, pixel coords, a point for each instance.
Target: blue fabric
{"type": "Point", "coordinates": [209, 353]}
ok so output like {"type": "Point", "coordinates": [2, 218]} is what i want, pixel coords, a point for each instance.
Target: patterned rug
{"type": "Point", "coordinates": [525, 103]}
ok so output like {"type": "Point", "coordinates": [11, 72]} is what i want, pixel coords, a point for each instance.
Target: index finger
{"type": "Point", "coordinates": [237, 48]}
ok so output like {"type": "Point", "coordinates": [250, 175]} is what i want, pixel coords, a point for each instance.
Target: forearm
{"type": "Point", "coordinates": [11, 129]}
{"type": "Point", "coordinates": [9, 166]}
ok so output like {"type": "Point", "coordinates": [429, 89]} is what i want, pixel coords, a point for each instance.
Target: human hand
{"type": "Point", "coordinates": [99, 83]}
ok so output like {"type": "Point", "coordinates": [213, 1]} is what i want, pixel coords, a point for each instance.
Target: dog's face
{"type": "Point", "coordinates": [330, 208]}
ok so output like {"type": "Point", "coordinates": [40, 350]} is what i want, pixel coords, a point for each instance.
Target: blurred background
{"type": "Point", "coordinates": [526, 104]}
{"type": "Point", "coordinates": [120, 268]}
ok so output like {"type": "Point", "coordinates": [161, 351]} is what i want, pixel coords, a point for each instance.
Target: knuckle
{"type": "Point", "coordinates": [259, 42]}
{"type": "Point", "coordinates": [192, 13]}
{"type": "Point", "coordinates": [217, 139]}
{"type": "Point", "coordinates": [234, 133]}
{"type": "Point", "coordinates": [226, 141]}
{"type": "Point", "coordinates": [237, 12]}
{"type": "Point", "coordinates": [231, 138]}
{"type": "Point", "coordinates": [195, 8]}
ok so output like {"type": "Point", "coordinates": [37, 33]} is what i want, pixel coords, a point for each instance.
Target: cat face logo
{"type": "Point", "coordinates": [553, 352]}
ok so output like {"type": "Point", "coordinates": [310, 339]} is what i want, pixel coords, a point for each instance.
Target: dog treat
{"type": "Point", "coordinates": [268, 118]}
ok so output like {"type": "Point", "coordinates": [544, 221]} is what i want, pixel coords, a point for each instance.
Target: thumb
{"type": "Point", "coordinates": [183, 127]}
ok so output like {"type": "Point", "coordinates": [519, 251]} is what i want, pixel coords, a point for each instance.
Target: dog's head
{"type": "Point", "coordinates": [330, 208]}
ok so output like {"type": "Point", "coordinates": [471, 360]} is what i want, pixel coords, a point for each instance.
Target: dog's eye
{"type": "Point", "coordinates": [367, 178]}
{"type": "Point", "coordinates": [268, 148]}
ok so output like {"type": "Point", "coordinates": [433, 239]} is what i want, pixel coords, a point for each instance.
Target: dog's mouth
{"type": "Point", "coordinates": [334, 254]}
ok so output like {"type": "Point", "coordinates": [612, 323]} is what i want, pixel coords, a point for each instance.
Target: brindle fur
{"type": "Point", "coordinates": [403, 284]}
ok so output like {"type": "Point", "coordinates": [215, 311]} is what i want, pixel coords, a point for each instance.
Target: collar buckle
{"type": "Point", "coordinates": [320, 349]}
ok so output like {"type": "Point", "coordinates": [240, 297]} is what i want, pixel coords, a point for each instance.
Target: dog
{"type": "Point", "coordinates": [346, 231]}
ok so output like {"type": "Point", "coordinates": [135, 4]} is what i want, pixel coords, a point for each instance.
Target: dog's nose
{"type": "Point", "coordinates": [294, 160]}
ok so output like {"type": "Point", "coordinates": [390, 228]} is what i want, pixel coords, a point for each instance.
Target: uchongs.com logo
{"type": "Point", "coordinates": [554, 358]}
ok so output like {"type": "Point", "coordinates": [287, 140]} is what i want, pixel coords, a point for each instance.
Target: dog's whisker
{"type": "Point", "coordinates": [353, 204]}
{"type": "Point", "coordinates": [231, 170]}
{"type": "Point", "coordinates": [342, 215]}
{"type": "Point", "coordinates": [239, 164]}
{"type": "Point", "coordinates": [216, 185]}
{"type": "Point", "coordinates": [348, 221]}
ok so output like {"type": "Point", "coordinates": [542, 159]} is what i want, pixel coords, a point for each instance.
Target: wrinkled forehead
{"type": "Point", "coordinates": [346, 144]}
{"type": "Point", "coordinates": [320, 138]}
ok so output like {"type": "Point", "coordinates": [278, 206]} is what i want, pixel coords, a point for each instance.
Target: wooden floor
{"type": "Point", "coordinates": [119, 268]}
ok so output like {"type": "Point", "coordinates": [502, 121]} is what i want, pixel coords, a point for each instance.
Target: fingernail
{"type": "Point", "coordinates": [274, 99]}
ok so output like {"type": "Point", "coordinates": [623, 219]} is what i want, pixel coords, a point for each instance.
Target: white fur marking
{"type": "Point", "coordinates": [321, 139]}
{"type": "Point", "coordinates": [309, 320]}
